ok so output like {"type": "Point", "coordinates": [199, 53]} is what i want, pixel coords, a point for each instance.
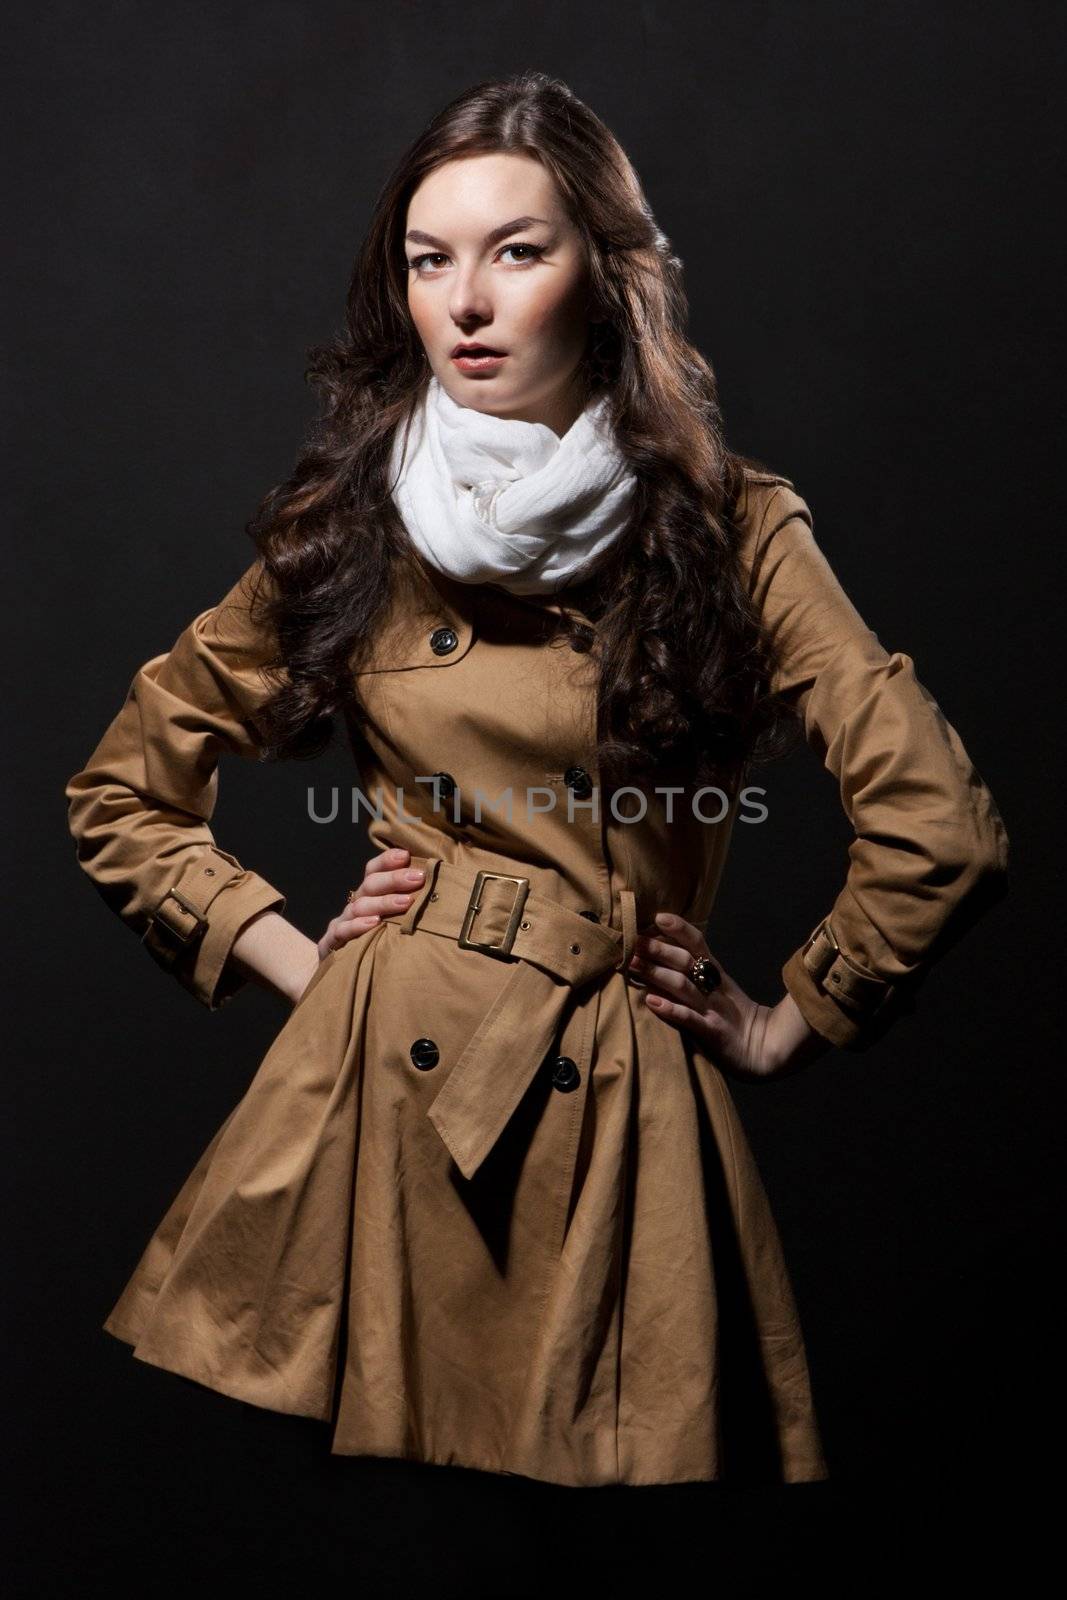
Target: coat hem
{"type": "Point", "coordinates": [634, 1481]}
{"type": "Point", "coordinates": [205, 1376]}
{"type": "Point", "coordinates": [211, 1380]}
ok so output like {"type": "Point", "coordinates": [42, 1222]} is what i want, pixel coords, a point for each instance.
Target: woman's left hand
{"type": "Point", "coordinates": [743, 1036]}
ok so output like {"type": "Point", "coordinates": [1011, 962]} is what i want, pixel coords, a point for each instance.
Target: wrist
{"type": "Point", "coordinates": [303, 975]}
{"type": "Point", "coordinates": [797, 1043]}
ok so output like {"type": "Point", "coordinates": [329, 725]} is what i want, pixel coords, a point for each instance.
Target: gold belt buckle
{"type": "Point", "coordinates": [474, 906]}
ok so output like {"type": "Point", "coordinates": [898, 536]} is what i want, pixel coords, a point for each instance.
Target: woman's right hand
{"type": "Point", "coordinates": [386, 890]}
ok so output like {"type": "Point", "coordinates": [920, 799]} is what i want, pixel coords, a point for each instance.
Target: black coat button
{"type": "Point", "coordinates": [565, 1074]}
{"type": "Point", "coordinates": [424, 1054]}
{"type": "Point", "coordinates": [582, 636]}
{"type": "Point", "coordinates": [578, 779]}
{"type": "Point", "coordinates": [446, 786]}
{"type": "Point", "coordinates": [443, 641]}
{"type": "Point", "coordinates": [591, 915]}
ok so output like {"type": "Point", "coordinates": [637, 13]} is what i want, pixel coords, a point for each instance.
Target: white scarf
{"type": "Point", "coordinates": [491, 499]}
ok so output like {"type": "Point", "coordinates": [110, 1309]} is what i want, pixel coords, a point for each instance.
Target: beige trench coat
{"type": "Point", "coordinates": [478, 1204]}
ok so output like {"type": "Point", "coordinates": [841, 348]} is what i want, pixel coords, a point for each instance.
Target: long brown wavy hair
{"type": "Point", "coordinates": [683, 671]}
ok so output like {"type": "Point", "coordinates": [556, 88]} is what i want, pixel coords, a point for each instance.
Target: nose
{"type": "Point", "coordinates": [470, 300]}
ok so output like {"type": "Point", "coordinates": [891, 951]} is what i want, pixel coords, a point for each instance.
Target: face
{"type": "Point", "coordinates": [494, 260]}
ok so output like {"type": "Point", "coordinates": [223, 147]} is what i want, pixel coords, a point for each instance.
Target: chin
{"type": "Point", "coordinates": [479, 398]}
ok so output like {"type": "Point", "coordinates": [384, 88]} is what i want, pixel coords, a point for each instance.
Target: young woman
{"type": "Point", "coordinates": [487, 1200]}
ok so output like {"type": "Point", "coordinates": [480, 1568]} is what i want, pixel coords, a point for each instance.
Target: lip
{"type": "Point", "coordinates": [463, 346]}
{"type": "Point", "coordinates": [472, 361]}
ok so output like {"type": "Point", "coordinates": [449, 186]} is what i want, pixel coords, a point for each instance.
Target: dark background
{"type": "Point", "coordinates": [863, 199]}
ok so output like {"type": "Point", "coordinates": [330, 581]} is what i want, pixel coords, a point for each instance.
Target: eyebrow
{"type": "Point", "coordinates": [492, 237]}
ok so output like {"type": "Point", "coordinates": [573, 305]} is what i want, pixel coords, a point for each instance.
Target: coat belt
{"type": "Point", "coordinates": [553, 951]}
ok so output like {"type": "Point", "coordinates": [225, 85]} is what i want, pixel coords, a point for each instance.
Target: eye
{"type": "Point", "coordinates": [536, 250]}
{"type": "Point", "coordinates": [417, 263]}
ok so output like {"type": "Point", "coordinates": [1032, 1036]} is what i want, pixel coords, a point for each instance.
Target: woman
{"type": "Point", "coordinates": [487, 1200]}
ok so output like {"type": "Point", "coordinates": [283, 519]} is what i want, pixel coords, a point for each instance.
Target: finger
{"type": "Point", "coordinates": [682, 932]}
{"type": "Point", "coordinates": [393, 857]}
{"type": "Point", "coordinates": [655, 961]}
{"type": "Point", "coordinates": [386, 862]}
{"type": "Point", "coordinates": [401, 879]}
{"type": "Point", "coordinates": [353, 928]}
{"type": "Point", "coordinates": [376, 905]}
{"type": "Point", "coordinates": [671, 1010]}
{"type": "Point", "coordinates": [338, 932]}
{"type": "Point", "coordinates": [658, 961]}
{"type": "Point", "coordinates": [707, 1025]}
{"type": "Point", "coordinates": [676, 985]}
{"type": "Point", "coordinates": [649, 953]}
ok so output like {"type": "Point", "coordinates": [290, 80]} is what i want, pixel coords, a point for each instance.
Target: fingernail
{"type": "Point", "coordinates": [413, 875]}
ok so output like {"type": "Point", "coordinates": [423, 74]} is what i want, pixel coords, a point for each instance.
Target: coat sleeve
{"type": "Point", "coordinates": [139, 809]}
{"type": "Point", "coordinates": [930, 852]}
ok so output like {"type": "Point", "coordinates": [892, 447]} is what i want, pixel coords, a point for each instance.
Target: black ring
{"type": "Point", "coordinates": [705, 975]}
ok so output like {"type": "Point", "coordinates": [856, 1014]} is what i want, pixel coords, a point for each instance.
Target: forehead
{"type": "Point", "coordinates": [476, 191]}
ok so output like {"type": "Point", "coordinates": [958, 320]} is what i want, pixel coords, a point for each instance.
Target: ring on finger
{"type": "Point", "coordinates": [704, 974]}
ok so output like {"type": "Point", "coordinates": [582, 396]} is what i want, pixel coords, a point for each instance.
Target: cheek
{"type": "Point", "coordinates": [422, 314]}
{"type": "Point", "coordinates": [552, 314]}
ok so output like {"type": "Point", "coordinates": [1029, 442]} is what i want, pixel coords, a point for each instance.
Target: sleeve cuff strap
{"type": "Point", "coordinates": [836, 997]}
{"type": "Point", "coordinates": [195, 924]}
{"type": "Point", "coordinates": [860, 992]}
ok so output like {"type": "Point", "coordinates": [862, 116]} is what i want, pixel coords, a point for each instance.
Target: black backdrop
{"type": "Point", "coordinates": [863, 199]}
